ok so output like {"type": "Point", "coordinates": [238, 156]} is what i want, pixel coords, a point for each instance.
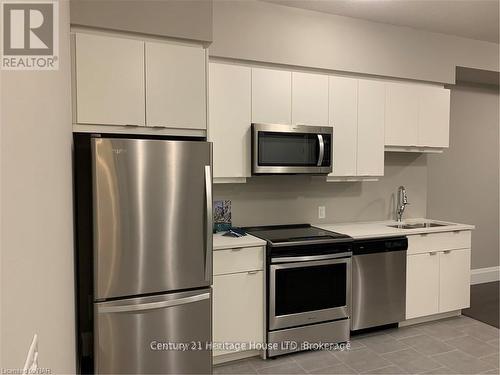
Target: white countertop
{"type": "Point", "coordinates": [224, 242]}
{"type": "Point", "coordinates": [381, 228]}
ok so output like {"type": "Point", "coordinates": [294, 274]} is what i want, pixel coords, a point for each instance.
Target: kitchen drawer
{"type": "Point", "coordinates": [238, 260]}
{"type": "Point", "coordinates": [429, 242]}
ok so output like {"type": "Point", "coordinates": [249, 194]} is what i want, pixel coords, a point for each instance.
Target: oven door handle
{"type": "Point", "coordinates": [321, 150]}
{"type": "Point", "coordinates": [310, 258]}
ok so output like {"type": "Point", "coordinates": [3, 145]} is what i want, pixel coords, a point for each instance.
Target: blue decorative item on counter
{"type": "Point", "coordinates": [222, 216]}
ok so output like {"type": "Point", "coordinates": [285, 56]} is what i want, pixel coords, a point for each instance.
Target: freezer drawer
{"type": "Point", "coordinates": [132, 335]}
{"type": "Point", "coordinates": [152, 216]}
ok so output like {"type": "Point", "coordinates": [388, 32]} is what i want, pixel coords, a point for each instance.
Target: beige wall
{"type": "Point", "coordinates": [36, 236]}
{"type": "Point", "coordinates": [295, 199]}
{"type": "Point", "coordinates": [190, 19]}
{"type": "Point", "coordinates": [259, 31]}
{"type": "Point", "coordinates": [463, 182]}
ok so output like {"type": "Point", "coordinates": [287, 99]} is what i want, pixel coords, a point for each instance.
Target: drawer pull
{"type": "Point", "coordinates": [433, 253]}
{"type": "Point", "coordinates": [237, 249]}
{"type": "Point", "coordinates": [252, 272]}
{"type": "Point", "coordinates": [447, 251]}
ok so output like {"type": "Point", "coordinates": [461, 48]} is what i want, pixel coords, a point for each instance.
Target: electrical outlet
{"type": "Point", "coordinates": [321, 212]}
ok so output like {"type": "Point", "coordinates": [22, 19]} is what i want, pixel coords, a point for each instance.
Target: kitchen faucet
{"type": "Point", "coordinates": [402, 202]}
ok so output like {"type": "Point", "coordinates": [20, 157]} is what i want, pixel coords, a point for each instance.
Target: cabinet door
{"type": "Point", "coordinates": [343, 116]}
{"type": "Point", "coordinates": [422, 285]}
{"type": "Point", "coordinates": [175, 86]}
{"type": "Point", "coordinates": [238, 311]}
{"type": "Point", "coordinates": [454, 280]}
{"type": "Point", "coordinates": [109, 80]}
{"type": "Point", "coordinates": [229, 119]}
{"type": "Point", "coordinates": [401, 115]}
{"type": "Point", "coordinates": [434, 117]}
{"type": "Point", "coordinates": [371, 124]}
{"type": "Point", "coordinates": [271, 96]}
{"type": "Point", "coordinates": [309, 99]}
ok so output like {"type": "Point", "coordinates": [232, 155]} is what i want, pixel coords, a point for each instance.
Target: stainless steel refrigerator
{"type": "Point", "coordinates": [152, 255]}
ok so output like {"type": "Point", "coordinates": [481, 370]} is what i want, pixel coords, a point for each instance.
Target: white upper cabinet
{"type": "Point", "coordinates": [109, 80]}
{"type": "Point", "coordinates": [434, 117]}
{"type": "Point", "coordinates": [229, 119]}
{"type": "Point", "coordinates": [271, 96]}
{"type": "Point", "coordinates": [371, 124]}
{"type": "Point", "coordinates": [401, 115]}
{"type": "Point", "coordinates": [343, 117]}
{"type": "Point", "coordinates": [358, 117]}
{"type": "Point", "coordinates": [309, 99]}
{"type": "Point", "coordinates": [417, 116]}
{"type": "Point", "coordinates": [175, 86]}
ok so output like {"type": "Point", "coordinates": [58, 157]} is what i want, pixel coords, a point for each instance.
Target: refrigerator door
{"type": "Point", "coordinates": [164, 334]}
{"type": "Point", "coordinates": [152, 216]}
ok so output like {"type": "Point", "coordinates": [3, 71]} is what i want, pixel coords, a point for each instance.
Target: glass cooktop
{"type": "Point", "coordinates": [294, 233]}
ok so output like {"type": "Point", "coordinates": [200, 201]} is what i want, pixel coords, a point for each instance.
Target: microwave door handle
{"type": "Point", "coordinates": [321, 150]}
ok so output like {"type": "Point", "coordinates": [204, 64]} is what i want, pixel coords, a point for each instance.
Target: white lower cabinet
{"type": "Point", "coordinates": [437, 281]}
{"type": "Point", "coordinates": [422, 285]}
{"type": "Point", "coordinates": [238, 298]}
{"type": "Point", "coordinates": [454, 280]}
{"type": "Point", "coordinates": [238, 308]}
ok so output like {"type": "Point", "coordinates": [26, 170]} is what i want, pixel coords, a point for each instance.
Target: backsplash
{"type": "Point", "coordinates": [267, 200]}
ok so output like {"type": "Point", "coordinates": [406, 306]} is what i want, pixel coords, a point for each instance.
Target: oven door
{"type": "Point", "coordinates": [291, 149]}
{"type": "Point", "coordinates": [308, 292]}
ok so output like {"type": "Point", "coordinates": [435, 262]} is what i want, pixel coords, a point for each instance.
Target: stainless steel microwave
{"type": "Point", "coordinates": [291, 149]}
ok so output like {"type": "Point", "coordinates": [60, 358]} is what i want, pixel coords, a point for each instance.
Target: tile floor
{"type": "Point", "coordinates": [459, 345]}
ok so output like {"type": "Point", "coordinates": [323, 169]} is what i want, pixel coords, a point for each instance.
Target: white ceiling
{"type": "Point", "coordinates": [476, 19]}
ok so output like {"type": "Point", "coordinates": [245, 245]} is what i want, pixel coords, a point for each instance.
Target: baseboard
{"type": "Point", "coordinates": [430, 318]}
{"type": "Point", "coordinates": [229, 357]}
{"type": "Point", "coordinates": [484, 275]}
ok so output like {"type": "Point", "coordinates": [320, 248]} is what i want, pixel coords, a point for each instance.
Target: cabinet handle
{"type": "Point", "coordinates": [236, 249]}
{"type": "Point", "coordinates": [252, 272]}
{"type": "Point", "coordinates": [447, 251]}
{"type": "Point", "coordinates": [433, 253]}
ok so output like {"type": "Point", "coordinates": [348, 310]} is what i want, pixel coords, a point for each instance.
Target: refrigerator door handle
{"type": "Point", "coordinates": [152, 305]}
{"type": "Point", "coordinates": [209, 227]}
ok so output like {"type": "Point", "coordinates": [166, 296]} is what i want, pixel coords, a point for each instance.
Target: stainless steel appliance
{"type": "Point", "coordinates": [151, 248]}
{"type": "Point", "coordinates": [291, 149]}
{"type": "Point", "coordinates": [308, 285]}
{"type": "Point", "coordinates": [378, 282]}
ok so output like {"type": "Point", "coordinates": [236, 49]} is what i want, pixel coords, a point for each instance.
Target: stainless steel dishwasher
{"type": "Point", "coordinates": [378, 282]}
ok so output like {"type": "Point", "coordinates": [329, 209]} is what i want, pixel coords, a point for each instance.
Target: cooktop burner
{"type": "Point", "coordinates": [295, 233]}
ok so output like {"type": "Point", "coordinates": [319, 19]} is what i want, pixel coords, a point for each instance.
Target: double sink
{"type": "Point", "coordinates": [419, 225]}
